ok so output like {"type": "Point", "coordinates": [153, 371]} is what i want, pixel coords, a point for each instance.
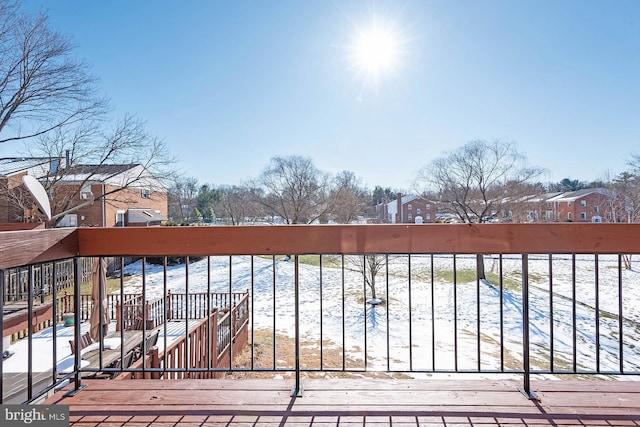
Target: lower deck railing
{"type": "Point", "coordinates": [325, 301]}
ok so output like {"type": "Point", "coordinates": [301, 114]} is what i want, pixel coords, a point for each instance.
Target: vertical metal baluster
{"type": "Point", "coordinates": [551, 317]}
{"type": "Point", "coordinates": [167, 307]}
{"type": "Point", "coordinates": [77, 279]}
{"type": "Point", "coordinates": [30, 333]}
{"type": "Point", "coordinates": [54, 327]}
{"type": "Point", "coordinates": [273, 340]}
{"type": "Point", "coordinates": [297, 389]}
{"type": "Point", "coordinates": [410, 317]}
{"type": "Point", "coordinates": [574, 320]}
{"type": "Point", "coordinates": [321, 319]}
{"type": "Point", "coordinates": [455, 314]}
{"type": "Point", "coordinates": [344, 332]}
{"type": "Point", "coordinates": [144, 314]}
{"type": "Point", "coordinates": [364, 306]}
{"type": "Point", "coordinates": [597, 304]}
{"type": "Point", "coordinates": [478, 357]}
{"type": "Point", "coordinates": [252, 315]}
{"type": "Point", "coordinates": [620, 316]}
{"type": "Point", "coordinates": [433, 318]}
{"type": "Point", "coordinates": [209, 328]}
{"type": "Point", "coordinates": [123, 325]}
{"type": "Point", "coordinates": [232, 316]}
{"type": "Point", "coordinates": [526, 390]}
{"type": "Point", "coordinates": [501, 281]}
{"type": "Point", "coordinates": [186, 315]}
{"type": "Point", "coordinates": [387, 312]}
{"type": "Point", "coordinates": [2, 349]}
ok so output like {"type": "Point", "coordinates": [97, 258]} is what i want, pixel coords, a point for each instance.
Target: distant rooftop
{"type": "Point", "coordinates": [13, 165]}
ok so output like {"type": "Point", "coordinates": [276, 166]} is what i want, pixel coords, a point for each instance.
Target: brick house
{"type": "Point", "coordinates": [586, 205]}
{"type": "Point", "coordinates": [125, 195]}
{"type": "Point", "coordinates": [408, 210]}
{"type": "Point", "coordinates": [98, 195]}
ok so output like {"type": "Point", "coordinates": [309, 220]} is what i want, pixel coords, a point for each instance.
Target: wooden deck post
{"type": "Point", "coordinates": [118, 316]}
{"type": "Point", "coordinates": [154, 361]}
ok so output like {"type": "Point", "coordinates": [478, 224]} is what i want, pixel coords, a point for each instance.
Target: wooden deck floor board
{"type": "Point", "coordinates": [351, 402]}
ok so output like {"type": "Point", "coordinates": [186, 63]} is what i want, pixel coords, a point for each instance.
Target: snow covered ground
{"type": "Point", "coordinates": [424, 323]}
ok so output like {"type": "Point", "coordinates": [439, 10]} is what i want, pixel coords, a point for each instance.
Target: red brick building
{"type": "Point", "coordinates": [409, 210]}
{"type": "Point", "coordinates": [587, 205]}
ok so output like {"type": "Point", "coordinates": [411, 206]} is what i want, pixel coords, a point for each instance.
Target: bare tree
{"type": "Point", "coordinates": [236, 206]}
{"type": "Point", "coordinates": [349, 200]}
{"type": "Point", "coordinates": [42, 86]}
{"type": "Point", "coordinates": [293, 190]}
{"type": "Point", "coordinates": [88, 153]}
{"type": "Point", "coordinates": [370, 266]}
{"type": "Point", "coordinates": [182, 197]}
{"type": "Point", "coordinates": [476, 182]}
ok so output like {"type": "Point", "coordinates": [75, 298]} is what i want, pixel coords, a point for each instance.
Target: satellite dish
{"type": "Point", "coordinates": [39, 194]}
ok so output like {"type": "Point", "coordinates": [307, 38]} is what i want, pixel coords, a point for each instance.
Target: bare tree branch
{"type": "Point", "coordinates": [42, 86]}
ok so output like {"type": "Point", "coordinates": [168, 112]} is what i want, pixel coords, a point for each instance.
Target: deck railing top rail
{"type": "Point", "coordinates": [19, 248]}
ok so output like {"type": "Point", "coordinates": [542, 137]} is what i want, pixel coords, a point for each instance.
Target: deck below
{"type": "Point", "coordinates": [351, 402]}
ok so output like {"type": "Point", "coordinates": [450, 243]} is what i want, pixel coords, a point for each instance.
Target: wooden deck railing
{"type": "Point", "coordinates": [189, 356]}
{"type": "Point", "coordinates": [510, 350]}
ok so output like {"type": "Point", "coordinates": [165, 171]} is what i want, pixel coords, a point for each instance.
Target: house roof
{"type": "Point", "coordinates": [13, 165]}
{"type": "Point", "coordinates": [574, 195]}
{"type": "Point", "coordinates": [142, 215]}
{"type": "Point", "coordinates": [95, 172]}
{"type": "Point", "coordinates": [124, 175]}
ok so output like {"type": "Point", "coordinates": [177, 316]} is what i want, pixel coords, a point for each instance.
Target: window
{"type": "Point", "coordinates": [428, 216]}
{"type": "Point", "coordinates": [85, 193]}
{"type": "Point", "coordinates": [409, 206]}
{"type": "Point", "coordinates": [120, 219]}
{"type": "Point", "coordinates": [410, 217]}
{"type": "Point", "coordinates": [583, 203]}
{"type": "Point", "coordinates": [69, 220]}
{"type": "Point", "coordinates": [569, 216]}
{"type": "Point", "coordinates": [596, 209]}
{"type": "Point", "coordinates": [568, 204]}
{"type": "Point", "coordinates": [418, 211]}
{"type": "Point", "coordinates": [583, 216]}
{"type": "Point", "coordinates": [146, 193]}
{"type": "Point", "coordinates": [428, 207]}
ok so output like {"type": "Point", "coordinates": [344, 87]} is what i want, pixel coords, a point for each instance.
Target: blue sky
{"type": "Point", "coordinates": [229, 85]}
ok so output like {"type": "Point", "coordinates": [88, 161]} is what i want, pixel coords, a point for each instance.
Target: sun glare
{"type": "Point", "coordinates": [376, 50]}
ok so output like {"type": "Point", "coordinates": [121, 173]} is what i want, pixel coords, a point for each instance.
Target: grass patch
{"type": "Point", "coordinates": [332, 359]}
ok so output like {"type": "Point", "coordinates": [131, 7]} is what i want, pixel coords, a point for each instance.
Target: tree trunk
{"type": "Point", "coordinates": [372, 285]}
{"type": "Point", "coordinates": [480, 264]}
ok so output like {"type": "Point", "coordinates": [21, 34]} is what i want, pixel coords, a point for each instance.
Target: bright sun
{"type": "Point", "coordinates": [376, 50]}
